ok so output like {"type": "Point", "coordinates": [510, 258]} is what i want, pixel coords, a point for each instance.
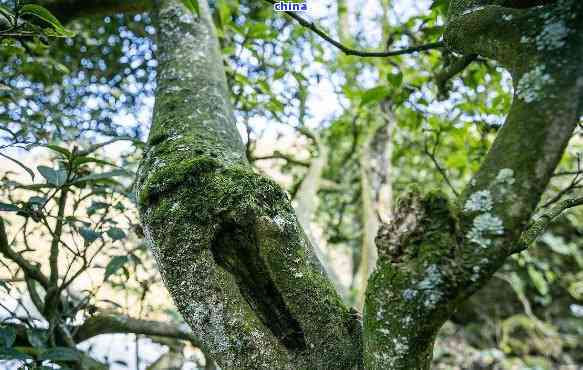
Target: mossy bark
{"type": "Point", "coordinates": [434, 255]}
{"type": "Point", "coordinates": [227, 242]}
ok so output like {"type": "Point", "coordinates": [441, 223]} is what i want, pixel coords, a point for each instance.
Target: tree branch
{"type": "Point", "coordinates": [361, 53]}
{"type": "Point", "coordinates": [279, 155]}
{"type": "Point", "coordinates": [113, 324]}
{"type": "Point", "coordinates": [226, 240]}
{"type": "Point", "coordinates": [538, 227]}
{"type": "Point", "coordinates": [119, 324]}
{"type": "Point", "coordinates": [458, 65]}
{"type": "Point", "coordinates": [28, 269]}
{"type": "Point", "coordinates": [66, 10]}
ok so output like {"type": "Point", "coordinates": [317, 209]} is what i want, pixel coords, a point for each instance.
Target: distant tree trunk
{"type": "Point", "coordinates": [306, 205]}
{"type": "Point", "coordinates": [240, 268]}
{"type": "Point", "coordinates": [375, 179]}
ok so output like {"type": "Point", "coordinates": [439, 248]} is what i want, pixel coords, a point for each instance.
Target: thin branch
{"type": "Point", "coordinates": [111, 324]}
{"type": "Point", "coordinates": [95, 147]}
{"type": "Point", "coordinates": [433, 156]}
{"type": "Point", "coordinates": [458, 65]}
{"type": "Point", "coordinates": [573, 185]}
{"type": "Point", "coordinates": [280, 155]}
{"type": "Point", "coordinates": [28, 269]}
{"type": "Point", "coordinates": [54, 254]}
{"type": "Point", "coordinates": [361, 53]}
{"type": "Point", "coordinates": [542, 223]}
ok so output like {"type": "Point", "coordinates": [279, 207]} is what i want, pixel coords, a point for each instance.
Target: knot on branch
{"type": "Point", "coordinates": [417, 219]}
{"type": "Point", "coordinates": [405, 225]}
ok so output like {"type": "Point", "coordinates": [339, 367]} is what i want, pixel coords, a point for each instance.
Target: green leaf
{"type": "Point", "coordinates": [116, 233]}
{"type": "Point", "coordinates": [432, 32]}
{"type": "Point", "coordinates": [37, 337]}
{"type": "Point", "coordinates": [37, 200]}
{"type": "Point", "coordinates": [116, 263]}
{"type": "Point", "coordinates": [8, 207]}
{"type": "Point", "coordinates": [440, 4]}
{"type": "Point", "coordinates": [100, 176]}
{"type": "Point", "coordinates": [95, 206]}
{"type": "Point", "coordinates": [374, 95]}
{"type": "Point", "coordinates": [53, 177]}
{"type": "Point", "coordinates": [83, 160]}
{"type": "Point", "coordinates": [11, 354]}
{"type": "Point", "coordinates": [538, 280]}
{"type": "Point", "coordinates": [88, 234]}
{"type": "Point", "coordinates": [45, 15]}
{"type": "Point", "coordinates": [7, 336]}
{"type": "Point", "coordinates": [395, 79]}
{"type": "Point", "coordinates": [61, 354]}
{"type": "Point", "coordinates": [192, 5]}
{"type": "Point", "coordinates": [66, 153]}
{"type": "Point", "coordinates": [6, 12]}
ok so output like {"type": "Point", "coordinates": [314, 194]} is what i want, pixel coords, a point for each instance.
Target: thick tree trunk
{"type": "Point", "coordinates": [228, 245]}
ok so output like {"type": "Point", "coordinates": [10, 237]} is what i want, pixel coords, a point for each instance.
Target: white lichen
{"type": "Point", "coordinates": [475, 273]}
{"type": "Point", "coordinates": [409, 294]}
{"type": "Point", "coordinates": [400, 346]}
{"type": "Point", "coordinates": [483, 228]}
{"type": "Point", "coordinates": [553, 35]}
{"type": "Point", "coordinates": [504, 180]}
{"type": "Point", "coordinates": [506, 176]}
{"type": "Point", "coordinates": [480, 201]}
{"type": "Point", "coordinates": [532, 85]}
{"type": "Point", "coordinates": [472, 10]}
{"type": "Point", "coordinates": [431, 285]}
{"type": "Point", "coordinates": [384, 331]}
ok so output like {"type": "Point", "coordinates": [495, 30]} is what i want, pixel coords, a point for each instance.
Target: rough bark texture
{"type": "Point", "coordinates": [435, 254]}
{"type": "Point", "coordinates": [227, 242]}
{"type": "Point", "coordinates": [231, 250]}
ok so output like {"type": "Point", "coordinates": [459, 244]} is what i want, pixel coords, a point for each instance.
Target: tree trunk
{"type": "Point", "coordinates": [434, 255]}
{"type": "Point", "coordinates": [230, 249]}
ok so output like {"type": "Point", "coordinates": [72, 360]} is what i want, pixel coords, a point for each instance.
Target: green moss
{"type": "Point", "coordinates": [410, 297]}
{"type": "Point", "coordinates": [248, 224]}
{"type": "Point", "coordinates": [169, 177]}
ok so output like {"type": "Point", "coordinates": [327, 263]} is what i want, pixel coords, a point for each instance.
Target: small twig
{"type": "Point", "coordinates": [458, 65]}
{"type": "Point", "coordinates": [28, 269]}
{"type": "Point", "coordinates": [95, 147]}
{"type": "Point", "coordinates": [575, 184]}
{"type": "Point", "coordinates": [361, 53]}
{"type": "Point", "coordinates": [433, 156]}
{"type": "Point", "coordinates": [538, 227]}
{"type": "Point", "coordinates": [280, 155]}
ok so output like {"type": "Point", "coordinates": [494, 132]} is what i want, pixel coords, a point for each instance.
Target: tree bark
{"type": "Point", "coordinates": [435, 254]}
{"type": "Point", "coordinates": [226, 240]}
